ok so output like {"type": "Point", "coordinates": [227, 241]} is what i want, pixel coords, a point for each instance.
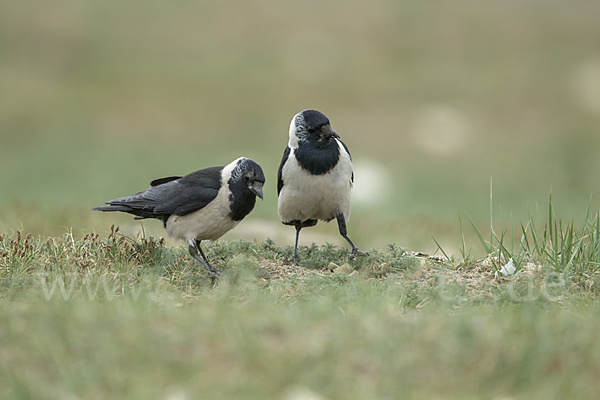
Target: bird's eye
{"type": "Point", "coordinates": [246, 178]}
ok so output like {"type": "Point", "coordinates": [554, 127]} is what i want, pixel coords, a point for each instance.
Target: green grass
{"type": "Point", "coordinates": [556, 245]}
{"type": "Point", "coordinates": [359, 343]}
{"type": "Point", "coordinates": [130, 318]}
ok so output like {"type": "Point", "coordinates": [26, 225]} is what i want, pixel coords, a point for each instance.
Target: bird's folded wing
{"type": "Point", "coordinates": [188, 194]}
{"type": "Point", "coordinates": [174, 196]}
{"type": "Point", "coordinates": [286, 155]}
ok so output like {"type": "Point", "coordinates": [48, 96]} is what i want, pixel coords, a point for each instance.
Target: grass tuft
{"type": "Point", "coordinates": [129, 317]}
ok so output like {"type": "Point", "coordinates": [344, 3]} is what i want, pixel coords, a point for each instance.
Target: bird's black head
{"type": "Point", "coordinates": [313, 127]}
{"type": "Point", "coordinates": [249, 175]}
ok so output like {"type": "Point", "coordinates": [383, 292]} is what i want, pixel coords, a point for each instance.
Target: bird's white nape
{"type": "Point", "coordinates": [297, 130]}
{"type": "Point", "coordinates": [230, 170]}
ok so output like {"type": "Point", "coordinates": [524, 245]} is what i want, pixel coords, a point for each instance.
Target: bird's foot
{"type": "Point", "coordinates": [356, 252]}
{"type": "Point", "coordinates": [294, 260]}
{"type": "Point", "coordinates": [213, 272]}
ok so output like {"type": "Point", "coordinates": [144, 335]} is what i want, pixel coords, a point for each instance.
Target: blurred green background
{"type": "Point", "coordinates": [433, 99]}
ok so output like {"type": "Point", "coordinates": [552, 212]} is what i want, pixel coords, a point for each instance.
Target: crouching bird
{"type": "Point", "coordinates": [202, 205]}
{"type": "Point", "coordinates": [315, 177]}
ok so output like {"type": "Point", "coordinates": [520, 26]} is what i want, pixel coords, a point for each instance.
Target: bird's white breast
{"type": "Point", "coordinates": [306, 196]}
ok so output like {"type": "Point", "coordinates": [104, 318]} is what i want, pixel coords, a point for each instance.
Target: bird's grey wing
{"type": "Point", "coordinates": [286, 155]}
{"type": "Point", "coordinates": [179, 196]}
{"type": "Point", "coordinates": [188, 194]}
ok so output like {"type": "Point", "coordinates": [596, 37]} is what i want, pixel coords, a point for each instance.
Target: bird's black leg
{"type": "Point", "coordinates": [344, 232]}
{"type": "Point", "coordinates": [299, 225]}
{"type": "Point", "coordinates": [194, 247]}
{"type": "Point", "coordinates": [211, 270]}
{"type": "Point", "coordinates": [295, 258]}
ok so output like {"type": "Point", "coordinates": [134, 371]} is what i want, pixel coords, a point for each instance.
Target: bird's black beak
{"type": "Point", "coordinates": [326, 133]}
{"type": "Point", "coordinates": [257, 190]}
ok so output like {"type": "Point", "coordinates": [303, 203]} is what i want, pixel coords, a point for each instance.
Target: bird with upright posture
{"type": "Point", "coordinates": [202, 205]}
{"type": "Point", "coordinates": [315, 177]}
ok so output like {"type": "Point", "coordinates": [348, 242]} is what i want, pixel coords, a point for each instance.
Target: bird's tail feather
{"type": "Point", "coordinates": [113, 208]}
{"type": "Point", "coordinates": [130, 204]}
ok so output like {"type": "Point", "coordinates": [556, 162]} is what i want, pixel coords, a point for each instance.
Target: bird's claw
{"type": "Point", "coordinates": [356, 252]}
{"type": "Point", "coordinates": [294, 260]}
{"type": "Point", "coordinates": [213, 272]}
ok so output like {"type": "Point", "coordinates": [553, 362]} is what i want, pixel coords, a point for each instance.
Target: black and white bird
{"type": "Point", "coordinates": [202, 205]}
{"type": "Point", "coordinates": [315, 177]}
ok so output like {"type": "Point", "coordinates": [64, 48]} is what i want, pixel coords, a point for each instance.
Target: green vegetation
{"type": "Point", "coordinates": [131, 318]}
